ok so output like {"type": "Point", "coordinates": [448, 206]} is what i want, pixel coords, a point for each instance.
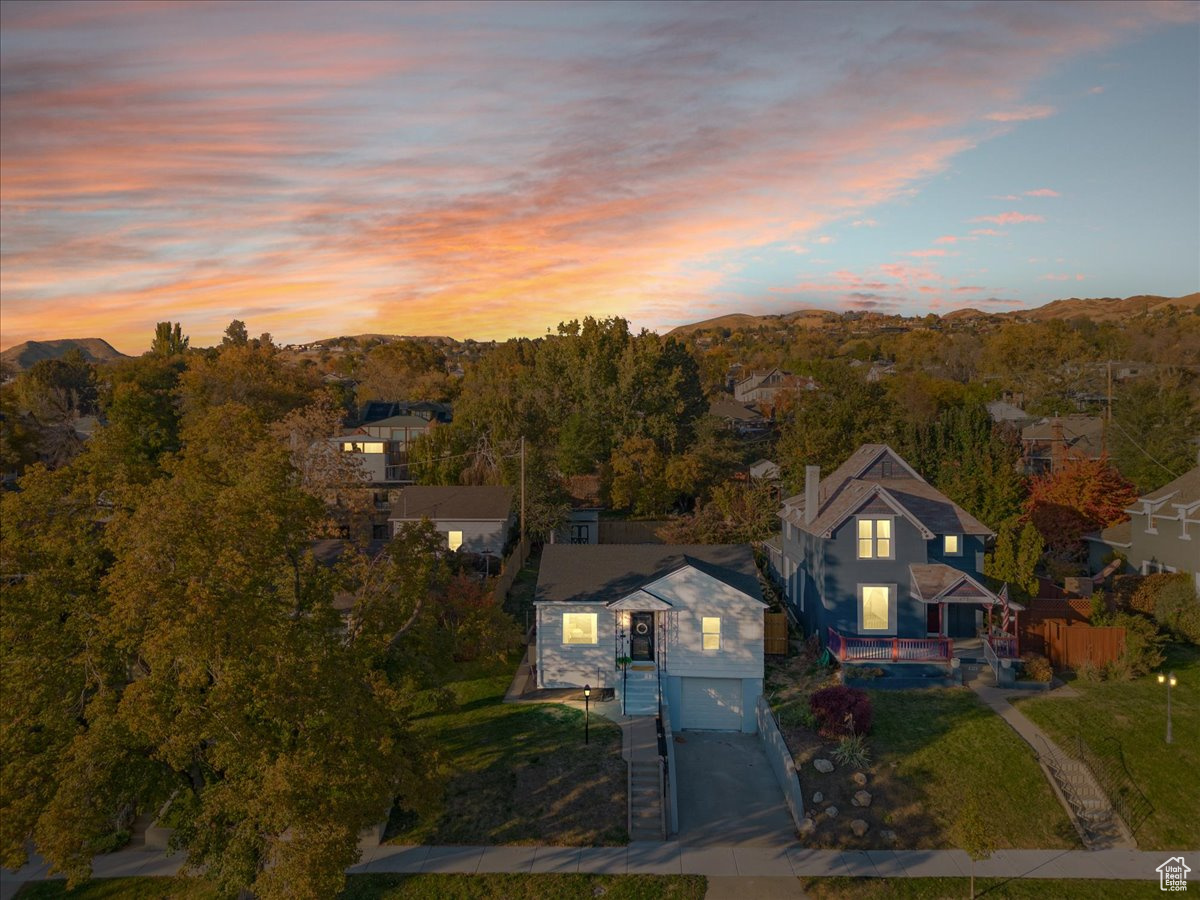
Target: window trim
{"type": "Point", "coordinates": [595, 630]}
{"type": "Point", "coordinates": [890, 630]}
{"type": "Point", "coordinates": [705, 634]}
{"type": "Point", "coordinates": [958, 540]}
{"type": "Point", "coordinates": [891, 539]}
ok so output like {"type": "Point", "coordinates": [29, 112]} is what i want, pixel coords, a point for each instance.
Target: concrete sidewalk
{"type": "Point", "coordinates": [676, 859]}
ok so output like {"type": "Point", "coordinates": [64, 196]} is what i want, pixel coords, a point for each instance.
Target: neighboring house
{"type": "Point", "coordinates": [764, 470]}
{"type": "Point", "coordinates": [1048, 444]}
{"type": "Point", "coordinates": [1002, 412]}
{"type": "Point", "coordinates": [475, 519]}
{"type": "Point", "coordinates": [874, 553]}
{"type": "Point", "coordinates": [1162, 534]}
{"type": "Point", "coordinates": [765, 386]}
{"type": "Point", "coordinates": [582, 527]}
{"type": "Point", "coordinates": [739, 417]}
{"type": "Point", "coordinates": [381, 447]}
{"type": "Point", "coordinates": [689, 620]}
{"type": "Point", "coordinates": [426, 409]}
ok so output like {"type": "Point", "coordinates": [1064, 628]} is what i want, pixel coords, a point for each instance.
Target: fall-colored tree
{"type": "Point", "coordinates": [236, 334]}
{"type": "Point", "coordinates": [1083, 496]}
{"type": "Point", "coordinates": [737, 513]}
{"type": "Point", "coordinates": [1155, 423]}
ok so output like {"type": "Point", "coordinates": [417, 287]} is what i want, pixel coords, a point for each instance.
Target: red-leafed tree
{"type": "Point", "coordinates": [1083, 496]}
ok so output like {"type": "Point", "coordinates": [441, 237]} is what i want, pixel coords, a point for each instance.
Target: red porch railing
{"type": "Point", "coordinates": [849, 648]}
{"type": "Point", "coordinates": [1005, 646]}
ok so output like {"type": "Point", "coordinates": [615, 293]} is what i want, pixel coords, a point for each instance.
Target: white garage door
{"type": "Point", "coordinates": [712, 703]}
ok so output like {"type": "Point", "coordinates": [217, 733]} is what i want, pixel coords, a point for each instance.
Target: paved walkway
{"type": "Point", "coordinates": [673, 858]}
{"type": "Point", "coordinates": [1064, 777]}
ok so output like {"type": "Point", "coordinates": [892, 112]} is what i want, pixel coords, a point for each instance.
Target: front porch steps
{"type": "Point", "coordinates": [641, 692]}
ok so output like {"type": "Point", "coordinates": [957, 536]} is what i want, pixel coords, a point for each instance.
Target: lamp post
{"type": "Point", "coordinates": [587, 695]}
{"type": "Point", "coordinates": [1169, 681]}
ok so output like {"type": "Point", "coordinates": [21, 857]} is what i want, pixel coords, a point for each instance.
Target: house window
{"type": "Point", "coordinates": [579, 628]}
{"type": "Point", "coordinates": [454, 539]}
{"type": "Point", "coordinates": [952, 545]}
{"type": "Point", "coordinates": [876, 608]}
{"type": "Point", "coordinates": [580, 534]}
{"type": "Point", "coordinates": [361, 447]}
{"type": "Point", "coordinates": [874, 538]}
{"type": "Point", "coordinates": [710, 627]}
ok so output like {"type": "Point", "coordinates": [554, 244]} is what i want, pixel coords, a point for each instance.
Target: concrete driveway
{"type": "Point", "coordinates": [728, 795]}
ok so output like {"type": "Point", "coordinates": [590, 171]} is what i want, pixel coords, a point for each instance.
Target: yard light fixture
{"type": "Point", "coordinates": [1169, 680]}
{"type": "Point", "coordinates": [587, 696]}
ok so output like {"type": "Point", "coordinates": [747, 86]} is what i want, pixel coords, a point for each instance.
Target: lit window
{"type": "Point", "coordinates": [579, 628]}
{"type": "Point", "coordinates": [454, 539]}
{"type": "Point", "coordinates": [710, 627]}
{"type": "Point", "coordinates": [874, 538]}
{"type": "Point", "coordinates": [952, 545]}
{"type": "Point", "coordinates": [875, 602]}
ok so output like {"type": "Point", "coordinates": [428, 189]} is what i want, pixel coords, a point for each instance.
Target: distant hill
{"type": "Point", "coordinates": [1104, 309]}
{"type": "Point", "coordinates": [23, 356]}
{"type": "Point", "coordinates": [744, 321]}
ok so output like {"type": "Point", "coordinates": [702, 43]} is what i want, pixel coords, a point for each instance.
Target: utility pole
{"type": "Point", "coordinates": [522, 487]}
{"type": "Point", "coordinates": [1108, 415]}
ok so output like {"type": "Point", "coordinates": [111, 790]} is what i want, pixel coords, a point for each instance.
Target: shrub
{"type": "Point", "coordinates": [841, 711]}
{"type": "Point", "coordinates": [1123, 589]}
{"type": "Point", "coordinates": [1035, 667]}
{"type": "Point", "coordinates": [852, 751]}
{"type": "Point", "coordinates": [1178, 607]}
{"type": "Point", "coordinates": [1146, 597]}
{"type": "Point", "coordinates": [1143, 644]}
{"type": "Point", "coordinates": [1089, 671]}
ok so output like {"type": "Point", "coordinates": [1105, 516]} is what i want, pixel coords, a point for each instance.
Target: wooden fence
{"type": "Point", "coordinates": [623, 532]}
{"type": "Point", "coordinates": [510, 569]}
{"type": "Point", "coordinates": [775, 634]}
{"type": "Point", "coordinates": [1069, 646]}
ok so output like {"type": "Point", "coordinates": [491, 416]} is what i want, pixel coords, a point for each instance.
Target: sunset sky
{"type": "Point", "coordinates": [489, 170]}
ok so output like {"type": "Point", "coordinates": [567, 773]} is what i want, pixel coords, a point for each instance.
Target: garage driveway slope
{"type": "Point", "coordinates": [728, 795]}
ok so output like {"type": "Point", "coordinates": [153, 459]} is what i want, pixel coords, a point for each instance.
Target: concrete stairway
{"type": "Point", "coordinates": [641, 691]}
{"type": "Point", "coordinates": [646, 802]}
{"type": "Point", "coordinates": [1099, 826]}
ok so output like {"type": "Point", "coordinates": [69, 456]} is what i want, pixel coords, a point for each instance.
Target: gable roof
{"type": "Point", "coordinates": [1183, 491]}
{"type": "Point", "coordinates": [940, 583]}
{"type": "Point", "coordinates": [861, 479]}
{"type": "Point", "coordinates": [481, 503]}
{"type": "Point", "coordinates": [602, 573]}
{"type": "Point", "coordinates": [731, 409]}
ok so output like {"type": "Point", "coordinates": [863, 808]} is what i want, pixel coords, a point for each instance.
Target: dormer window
{"type": "Point", "coordinates": [952, 545]}
{"type": "Point", "coordinates": [874, 538]}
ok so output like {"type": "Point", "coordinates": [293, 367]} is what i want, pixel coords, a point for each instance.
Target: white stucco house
{"type": "Point", "coordinates": [474, 518]}
{"type": "Point", "coordinates": [680, 625]}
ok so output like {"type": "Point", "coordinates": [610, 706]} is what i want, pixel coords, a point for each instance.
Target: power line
{"type": "Point", "coordinates": [1144, 451]}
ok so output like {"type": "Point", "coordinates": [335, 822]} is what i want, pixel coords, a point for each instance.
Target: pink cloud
{"type": "Point", "coordinates": [864, 223]}
{"type": "Point", "coordinates": [1043, 192]}
{"type": "Point", "coordinates": [922, 254]}
{"type": "Point", "coordinates": [988, 232]}
{"type": "Point", "coordinates": [1022, 114]}
{"type": "Point", "coordinates": [1009, 218]}
{"type": "Point", "coordinates": [1061, 277]}
{"type": "Point", "coordinates": [948, 239]}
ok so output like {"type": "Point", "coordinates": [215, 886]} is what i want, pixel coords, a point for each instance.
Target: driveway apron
{"type": "Point", "coordinates": [728, 795]}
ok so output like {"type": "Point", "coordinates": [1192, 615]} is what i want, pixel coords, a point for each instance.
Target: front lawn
{"type": "Point", "coordinates": [518, 774]}
{"type": "Point", "coordinates": [1134, 715]}
{"type": "Point", "coordinates": [931, 749]}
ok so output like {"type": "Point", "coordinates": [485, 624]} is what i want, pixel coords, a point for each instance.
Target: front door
{"type": "Point", "coordinates": [933, 619]}
{"type": "Point", "coordinates": [641, 639]}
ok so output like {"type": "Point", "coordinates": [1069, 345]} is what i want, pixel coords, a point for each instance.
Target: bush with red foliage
{"type": "Point", "coordinates": [841, 711]}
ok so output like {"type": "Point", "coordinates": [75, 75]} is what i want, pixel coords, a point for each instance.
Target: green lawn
{"type": "Point", "coordinates": [406, 887]}
{"type": "Point", "coordinates": [1008, 888]}
{"type": "Point", "coordinates": [1134, 714]}
{"type": "Point", "coordinates": [930, 750]}
{"type": "Point", "coordinates": [518, 774]}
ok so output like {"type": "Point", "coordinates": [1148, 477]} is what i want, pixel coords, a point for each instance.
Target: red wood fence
{"type": "Point", "coordinates": [1069, 646]}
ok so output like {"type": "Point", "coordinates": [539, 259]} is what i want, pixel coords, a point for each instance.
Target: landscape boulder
{"type": "Point", "coordinates": [818, 796]}
{"type": "Point", "coordinates": [859, 827]}
{"type": "Point", "coordinates": [831, 811]}
{"type": "Point", "coordinates": [861, 798]}
{"type": "Point", "coordinates": [823, 766]}
{"type": "Point", "coordinates": [859, 778]}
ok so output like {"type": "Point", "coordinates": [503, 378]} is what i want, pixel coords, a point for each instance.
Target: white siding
{"type": "Point", "coordinates": [574, 665]}
{"type": "Point", "coordinates": [478, 537]}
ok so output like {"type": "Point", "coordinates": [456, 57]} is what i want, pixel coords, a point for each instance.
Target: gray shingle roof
{"type": "Point", "coordinates": [600, 573]}
{"type": "Point", "coordinates": [484, 503]}
{"type": "Point", "coordinates": [1184, 490]}
{"type": "Point", "coordinates": [845, 491]}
